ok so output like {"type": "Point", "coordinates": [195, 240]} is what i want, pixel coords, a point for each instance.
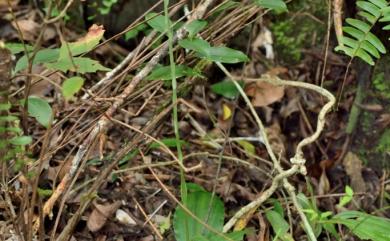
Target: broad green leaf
{"type": "Point", "coordinates": [8, 118]}
{"type": "Point", "coordinates": [196, 44]}
{"type": "Point", "coordinates": [226, 88]}
{"type": "Point", "coordinates": [374, 40]}
{"type": "Point", "coordinates": [10, 129]}
{"type": "Point", "coordinates": [40, 110]}
{"type": "Point", "coordinates": [206, 208]}
{"type": "Point", "coordinates": [347, 197]}
{"type": "Point", "coordinates": [169, 142]}
{"type": "Point", "coordinates": [385, 19]}
{"type": "Point", "coordinates": [236, 236]}
{"type": "Point", "coordinates": [369, 7]}
{"type": "Point", "coordinates": [45, 192]}
{"type": "Point", "coordinates": [5, 106]}
{"type": "Point", "coordinates": [361, 53]}
{"type": "Point", "coordinates": [279, 225]}
{"type": "Point", "coordinates": [364, 225]}
{"type": "Point", "coordinates": [164, 72]}
{"type": "Point", "coordinates": [21, 140]}
{"type": "Point", "coordinates": [277, 5]}
{"type": "Point", "coordinates": [370, 49]}
{"type": "Point", "coordinates": [78, 64]}
{"type": "Point", "coordinates": [71, 86]}
{"type": "Point", "coordinates": [195, 27]}
{"type": "Point", "coordinates": [225, 55]}
{"type": "Point", "coordinates": [248, 147]}
{"type": "Point", "coordinates": [42, 56]}
{"type": "Point", "coordinates": [226, 5]}
{"type": "Point", "coordinates": [16, 48]}
{"type": "Point", "coordinates": [219, 54]}
{"type": "Point", "coordinates": [387, 27]}
{"type": "Point", "coordinates": [364, 27]}
{"type": "Point", "coordinates": [357, 34]}
{"type": "Point", "coordinates": [370, 18]}
{"type": "Point", "coordinates": [83, 45]}
{"type": "Point", "coordinates": [157, 22]}
{"type": "Point", "coordinates": [380, 3]}
{"type": "Point", "coordinates": [134, 32]}
{"type": "Point", "coordinates": [347, 50]}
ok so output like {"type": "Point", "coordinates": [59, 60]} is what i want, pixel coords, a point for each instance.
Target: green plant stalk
{"type": "Point", "coordinates": [183, 187]}
{"type": "Point", "coordinates": [360, 95]}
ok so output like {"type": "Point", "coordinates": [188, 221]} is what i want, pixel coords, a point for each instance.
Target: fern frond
{"type": "Point", "coordinates": [359, 41]}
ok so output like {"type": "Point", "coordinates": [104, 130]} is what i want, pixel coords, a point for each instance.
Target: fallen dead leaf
{"type": "Point", "coordinates": [353, 167]}
{"type": "Point", "coordinates": [28, 27]}
{"type": "Point", "coordinates": [100, 214]}
{"type": "Point", "coordinates": [264, 93]}
{"type": "Point", "coordinates": [124, 218]}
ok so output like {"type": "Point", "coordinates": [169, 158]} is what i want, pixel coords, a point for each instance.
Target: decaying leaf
{"type": "Point", "coordinates": [124, 218]}
{"type": "Point", "coordinates": [353, 166]}
{"type": "Point", "coordinates": [100, 214]}
{"type": "Point", "coordinates": [264, 93]}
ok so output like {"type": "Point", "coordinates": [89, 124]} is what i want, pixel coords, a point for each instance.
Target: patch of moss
{"type": "Point", "coordinates": [384, 142]}
{"type": "Point", "coordinates": [297, 29]}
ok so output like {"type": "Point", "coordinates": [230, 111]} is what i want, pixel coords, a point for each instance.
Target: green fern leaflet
{"type": "Point", "coordinates": [360, 41]}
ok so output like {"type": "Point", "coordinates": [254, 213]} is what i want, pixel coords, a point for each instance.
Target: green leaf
{"type": "Point", "coordinates": [369, 7]}
{"type": "Point", "coordinates": [364, 225]}
{"type": "Point", "coordinates": [45, 192]}
{"type": "Point", "coordinates": [202, 205]}
{"type": "Point", "coordinates": [20, 140]}
{"type": "Point", "coordinates": [379, 3]}
{"type": "Point", "coordinates": [16, 48]}
{"type": "Point", "coordinates": [225, 55]}
{"type": "Point", "coordinates": [218, 54]}
{"type": "Point", "coordinates": [364, 27]}
{"type": "Point", "coordinates": [40, 110]}
{"type": "Point", "coordinates": [279, 225]}
{"type": "Point", "coordinates": [347, 197]}
{"type": "Point", "coordinates": [226, 88]}
{"type": "Point", "coordinates": [370, 18]}
{"type": "Point", "coordinates": [357, 34]}
{"type": "Point", "coordinates": [5, 106]}
{"type": "Point", "coordinates": [80, 65]}
{"type": "Point", "coordinates": [71, 86]}
{"type": "Point", "coordinates": [8, 118]}
{"type": "Point", "coordinates": [248, 147]}
{"type": "Point", "coordinates": [365, 56]}
{"type": "Point", "coordinates": [164, 72]}
{"type": "Point", "coordinates": [195, 27]}
{"type": "Point", "coordinates": [277, 5]}
{"type": "Point", "coordinates": [83, 45]}
{"type": "Point", "coordinates": [169, 142]}
{"type": "Point", "coordinates": [134, 32]}
{"type": "Point", "coordinates": [157, 22]}
{"type": "Point", "coordinates": [196, 44]}
{"type": "Point", "coordinates": [374, 40]}
{"type": "Point", "coordinates": [42, 56]}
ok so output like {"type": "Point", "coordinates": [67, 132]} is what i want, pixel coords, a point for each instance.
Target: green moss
{"type": "Point", "coordinates": [384, 142]}
{"type": "Point", "coordinates": [294, 30]}
{"type": "Point", "coordinates": [381, 85]}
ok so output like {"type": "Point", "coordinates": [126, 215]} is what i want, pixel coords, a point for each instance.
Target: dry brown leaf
{"type": "Point", "coordinates": [323, 186]}
{"type": "Point", "coordinates": [264, 93]}
{"type": "Point", "coordinates": [338, 19]}
{"type": "Point", "coordinates": [124, 218]}
{"type": "Point", "coordinates": [4, 3]}
{"type": "Point", "coordinates": [28, 27]}
{"type": "Point", "coordinates": [100, 214]}
{"type": "Point", "coordinates": [353, 166]}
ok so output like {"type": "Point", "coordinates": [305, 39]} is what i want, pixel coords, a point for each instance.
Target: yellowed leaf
{"type": "Point", "coordinates": [227, 112]}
